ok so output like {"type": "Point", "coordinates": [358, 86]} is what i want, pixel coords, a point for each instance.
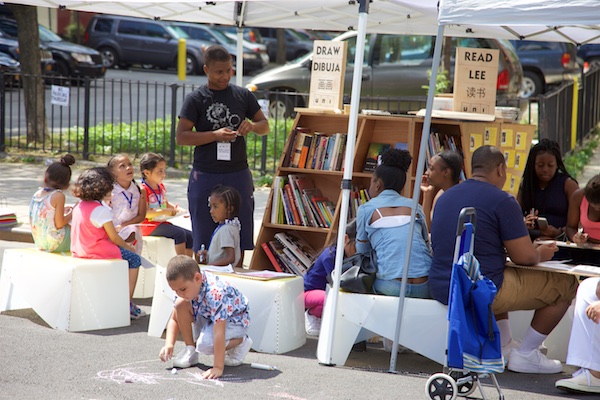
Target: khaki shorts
{"type": "Point", "coordinates": [528, 289]}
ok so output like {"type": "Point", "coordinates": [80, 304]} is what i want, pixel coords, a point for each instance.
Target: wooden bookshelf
{"type": "Point", "coordinates": [388, 130]}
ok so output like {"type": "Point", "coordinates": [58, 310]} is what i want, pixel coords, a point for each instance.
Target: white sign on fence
{"type": "Point", "coordinates": [60, 95]}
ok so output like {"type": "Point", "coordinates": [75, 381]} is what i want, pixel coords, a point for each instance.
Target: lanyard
{"type": "Point", "coordinates": [214, 232]}
{"type": "Point", "coordinates": [157, 195]}
{"type": "Point", "coordinates": [129, 199]}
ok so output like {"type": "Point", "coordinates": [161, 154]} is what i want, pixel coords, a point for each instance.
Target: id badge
{"type": "Point", "coordinates": [224, 151]}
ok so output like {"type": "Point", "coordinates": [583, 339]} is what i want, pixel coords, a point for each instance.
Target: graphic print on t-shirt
{"type": "Point", "coordinates": [220, 116]}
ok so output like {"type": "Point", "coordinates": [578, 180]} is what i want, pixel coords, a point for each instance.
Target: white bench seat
{"type": "Point", "coordinates": [68, 293]}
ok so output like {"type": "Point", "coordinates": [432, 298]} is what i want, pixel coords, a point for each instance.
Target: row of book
{"type": "Point", "coordinates": [358, 197]}
{"type": "Point", "coordinates": [315, 150]}
{"type": "Point", "coordinates": [440, 142]}
{"type": "Point", "coordinates": [296, 201]}
{"type": "Point", "coordinates": [290, 253]}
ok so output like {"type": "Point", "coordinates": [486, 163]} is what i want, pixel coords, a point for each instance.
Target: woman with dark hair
{"type": "Point", "coordinates": [583, 223]}
{"type": "Point", "coordinates": [443, 172]}
{"type": "Point", "coordinates": [382, 225]}
{"type": "Point", "coordinates": [545, 190]}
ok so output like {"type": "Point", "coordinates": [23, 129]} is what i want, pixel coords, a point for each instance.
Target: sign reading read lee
{"type": "Point", "coordinates": [327, 75]}
{"type": "Point", "coordinates": [475, 77]}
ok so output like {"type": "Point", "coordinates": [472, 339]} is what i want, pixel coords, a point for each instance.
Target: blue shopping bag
{"type": "Point", "coordinates": [473, 335]}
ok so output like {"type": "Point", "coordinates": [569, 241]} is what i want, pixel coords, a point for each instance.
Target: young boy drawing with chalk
{"type": "Point", "coordinates": [216, 311]}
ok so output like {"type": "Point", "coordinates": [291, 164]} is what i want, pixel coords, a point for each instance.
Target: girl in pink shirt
{"type": "Point", "coordinates": [93, 234]}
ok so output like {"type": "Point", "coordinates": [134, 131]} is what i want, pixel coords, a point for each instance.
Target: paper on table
{"type": "Point", "coordinates": [218, 268]}
{"type": "Point", "coordinates": [586, 268]}
{"type": "Point", "coordinates": [584, 246]}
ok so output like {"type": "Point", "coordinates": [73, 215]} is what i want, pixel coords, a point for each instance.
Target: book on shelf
{"type": "Point", "coordinates": [295, 214]}
{"type": "Point", "coordinates": [314, 196]}
{"type": "Point", "coordinates": [304, 151]}
{"type": "Point", "coordinates": [301, 137]}
{"type": "Point", "coordinates": [320, 152]}
{"type": "Point", "coordinates": [277, 250]}
{"type": "Point", "coordinates": [295, 264]}
{"type": "Point", "coordinates": [289, 216]}
{"type": "Point", "coordinates": [271, 257]}
{"type": "Point", "coordinates": [287, 156]}
{"type": "Point", "coordinates": [277, 200]}
{"type": "Point", "coordinates": [375, 152]}
{"type": "Point", "coordinates": [341, 154]}
{"type": "Point", "coordinates": [298, 246]}
{"type": "Point", "coordinates": [299, 182]}
{"type": "Point", "coordinates": [328, 153]}
{"type": "Point", "coordinates": [312, 152]}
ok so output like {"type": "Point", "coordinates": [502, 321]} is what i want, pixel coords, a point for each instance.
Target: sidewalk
{"type": "Point", "coordinates": [123, 363]}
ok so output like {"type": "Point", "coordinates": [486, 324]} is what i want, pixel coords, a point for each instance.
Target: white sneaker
{"type": "Point", "coordinates": [186, 358]}
{"type": "Point", "coordinates": [533, 363]}
{"type": "Point", "coordinates": [513, 344]}
{"type": "Point", "coordinates": [312, 324]}
{"type": "Point", "coordinates": [235, 356]}
{"type": "Point", "coordinates": [583, 382]}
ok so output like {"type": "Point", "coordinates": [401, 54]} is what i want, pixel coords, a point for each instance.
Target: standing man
{"type": "Point", "coordinates": [222, 115]}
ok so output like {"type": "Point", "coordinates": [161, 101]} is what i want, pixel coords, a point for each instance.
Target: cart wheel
{"type": "Point", "coordinates": [441, 387]}
{"type": "Point", "coordinates": [466, 388]}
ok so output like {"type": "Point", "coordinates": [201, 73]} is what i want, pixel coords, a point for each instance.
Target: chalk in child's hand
{"type": "Point", "coordinates": [174, 371]}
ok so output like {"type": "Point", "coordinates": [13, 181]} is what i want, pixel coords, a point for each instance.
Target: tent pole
{"type": "Point", "coordinates": [437, 52]}
{"type": "Point", "coordinates": [328, 330]}
{"type": "Point", "coordinates": [240, 14]}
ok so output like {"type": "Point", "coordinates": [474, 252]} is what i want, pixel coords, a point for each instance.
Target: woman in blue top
{"type": "Point", "coordinates": [382, 224]}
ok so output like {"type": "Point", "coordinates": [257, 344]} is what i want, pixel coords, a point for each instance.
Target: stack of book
{"type": "Point", "coordinates": [440, 142]}
{"type": "Point", "coordinates": [296, 201]}
{"type": "Point", "coordinates": [315, 150]}
{"type": "Point", "coordinates": [7, 217]}
{"type": "Point", "coordinates": [290, 253]}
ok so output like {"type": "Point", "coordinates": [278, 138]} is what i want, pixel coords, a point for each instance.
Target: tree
{"type": "Point", "coordinates": [31, 71]}
{"type": "Point", "coordinates": [281, 47]}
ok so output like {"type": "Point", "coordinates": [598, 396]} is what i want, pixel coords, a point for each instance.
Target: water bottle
{"type": "Point", "coordinates": [201, 255]}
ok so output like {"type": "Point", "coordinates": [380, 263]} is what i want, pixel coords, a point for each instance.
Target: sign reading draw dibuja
{"type": "Point", "coordinates": [328, 70]}
{"type": "Point", "coordinates": [475, 78]}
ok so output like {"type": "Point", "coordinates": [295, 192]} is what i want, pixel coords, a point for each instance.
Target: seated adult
{"type": "Point", "coordinates": [382, 224]}
{"type": "Point", "coordinates": [545, 190]}
{"type": "Point", "coordinates": [584, 349]}
{"type": "Point", "coordinates": [500, 225]}
{"type": "Point", "coordinates": [583, 221]}
{"type": "Point", "coordinates": [442, 173]}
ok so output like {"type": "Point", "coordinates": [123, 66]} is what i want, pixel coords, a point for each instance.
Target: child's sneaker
{"type": "Point", "coordinates": [186, 358]}
{"type": "Point", "coordinates": [235, 356]}
{"type": "Point", "coordinates": [135, 312]}
{"type": "Point", "coordinates": [312, 324]}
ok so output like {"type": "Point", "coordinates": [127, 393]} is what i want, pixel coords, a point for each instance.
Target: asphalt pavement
{"type": "Point", "coordinates": [39, 362]}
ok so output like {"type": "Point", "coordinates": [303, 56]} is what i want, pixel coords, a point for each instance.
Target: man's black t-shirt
{"type": "Point", "coordinates": [210, 110]}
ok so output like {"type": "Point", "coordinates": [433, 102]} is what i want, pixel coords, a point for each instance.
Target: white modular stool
{"type": "Point", "coordinates": [276, 311]}
{"type": "Point", "coordinates": [360, 316]}
{"type": "Point", "coordinates": [70, 294]}
{"type": "Point", "coordinates": [158, 250]}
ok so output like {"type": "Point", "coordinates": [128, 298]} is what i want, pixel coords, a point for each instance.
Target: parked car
{"type": "Point", "coordinates": [70, 59]}
{"type": "Point", "coordinates": [10, 69]}
{"type": "Point", "coordinates": [546, 64]}
{"type": "Point", "coordinates": [251, 35]}
{"type": "Point", "coordinates": [590, 54]}
{"type": "Point", "coordinates": [394, 66]}
{"type": "Point", "coordinates": [10, 46]}
{"type": "Point", "coordinates": [296, 45]}
{"type": "Point", "coordinates": [124, 41]}
{"type": "Point", "coordinates": [253, 60]}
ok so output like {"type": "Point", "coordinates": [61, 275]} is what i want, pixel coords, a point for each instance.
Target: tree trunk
{"type": "Point", "coordinates": [281, 47]}
{"type": "Point", "coordinates": [31, 71]}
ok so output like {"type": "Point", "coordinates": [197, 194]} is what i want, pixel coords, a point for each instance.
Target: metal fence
{"type": "Point", "coordinates": [105, 117]}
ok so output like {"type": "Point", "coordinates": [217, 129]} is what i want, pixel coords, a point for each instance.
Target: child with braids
{"type": "Point", "coordinates": [93, 232]}
{"type": "Point", "coordinates": [382, 224]}
{"type": "Point", "coordinates": [224, 247]}
{"type": "Point", "coordinates": [546, 190]}
{"type": "Point", "coordinates": [48, 216]}
{"type": "Point", "coordinates": [154, 169]}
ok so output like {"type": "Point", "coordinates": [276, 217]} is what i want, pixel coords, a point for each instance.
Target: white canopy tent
{"type": "Point", "coordinates": [550, 20]}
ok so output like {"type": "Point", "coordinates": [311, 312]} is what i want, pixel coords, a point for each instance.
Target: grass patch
{"type": "Point", "coordinates": [576, 160]}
